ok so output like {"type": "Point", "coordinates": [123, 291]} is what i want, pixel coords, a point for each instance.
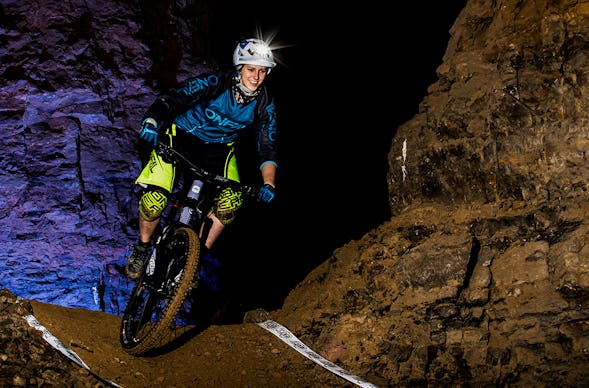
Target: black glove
{"type": "Point", "coordinates": [266, 193]}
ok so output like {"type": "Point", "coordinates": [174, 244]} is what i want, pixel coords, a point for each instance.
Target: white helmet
{"type": "Point", "coordinates": [253, 52]}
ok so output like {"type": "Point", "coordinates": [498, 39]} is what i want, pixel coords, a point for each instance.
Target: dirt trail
{"type": "Point", "coordinates": [237, 355]}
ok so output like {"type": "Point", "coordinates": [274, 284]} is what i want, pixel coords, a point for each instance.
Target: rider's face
{"type": "Point", "coordinates": [252, 76]}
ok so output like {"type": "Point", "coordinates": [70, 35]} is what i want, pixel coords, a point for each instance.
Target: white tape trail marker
{"type": "Point", "coordinates": [404, 154]}
{"type": "Point", "coordinates": [290, 339]}
{"type": "Point", "coordinates": [57, 344]}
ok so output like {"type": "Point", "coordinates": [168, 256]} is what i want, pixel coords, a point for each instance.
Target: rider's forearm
{"type": "Point", "coordinates": [269, 174]}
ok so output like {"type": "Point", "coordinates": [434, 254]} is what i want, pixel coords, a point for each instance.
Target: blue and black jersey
{"type": "Point", "coordinates": [205, 107]}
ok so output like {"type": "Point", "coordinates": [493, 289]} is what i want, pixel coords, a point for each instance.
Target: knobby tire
{"type": "Point", "coordinates": [149, 314]}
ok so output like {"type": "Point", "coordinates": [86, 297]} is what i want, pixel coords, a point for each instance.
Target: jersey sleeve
{"type": "Point", "coordinates": [186, 94]}
{"type": "Point", "coordinates": [267, 132]}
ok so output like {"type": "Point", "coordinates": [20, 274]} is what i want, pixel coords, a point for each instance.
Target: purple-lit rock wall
{"type": "Point", "coordinates": [75, 82]}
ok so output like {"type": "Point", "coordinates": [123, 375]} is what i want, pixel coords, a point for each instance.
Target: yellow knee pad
{"type": "Point", "coordinates": [227, 204]}
{"type": "Point", "coordinates": [152, 204]}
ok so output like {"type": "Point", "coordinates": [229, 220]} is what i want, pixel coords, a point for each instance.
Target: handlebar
{"type": "Point", "coordinates": [171, 155]}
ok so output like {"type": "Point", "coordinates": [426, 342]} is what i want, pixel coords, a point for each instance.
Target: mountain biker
{"type": "Point", "coordinates": [204, 116]}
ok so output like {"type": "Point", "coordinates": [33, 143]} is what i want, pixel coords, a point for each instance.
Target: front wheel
{"type": "Point", "coordinates": [148, 319]}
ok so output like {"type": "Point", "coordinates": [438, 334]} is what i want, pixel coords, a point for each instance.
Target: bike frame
{"type": "Point", "coordinates": [149, 320]}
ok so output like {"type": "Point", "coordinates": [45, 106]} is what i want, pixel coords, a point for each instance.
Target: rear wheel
{"type": "Point", "coordinates": [148, 320]}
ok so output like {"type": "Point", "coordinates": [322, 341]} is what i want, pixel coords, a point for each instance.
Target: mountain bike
{"type": "Point", "coordinates": [151, 318]}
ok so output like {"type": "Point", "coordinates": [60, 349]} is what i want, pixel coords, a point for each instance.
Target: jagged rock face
{"type": "Point", "coordinates": [506, 122]}
{"type": "Point", "coordinates": [481, 276]}
{"type": "Point", "coordinates": [76, 79]}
